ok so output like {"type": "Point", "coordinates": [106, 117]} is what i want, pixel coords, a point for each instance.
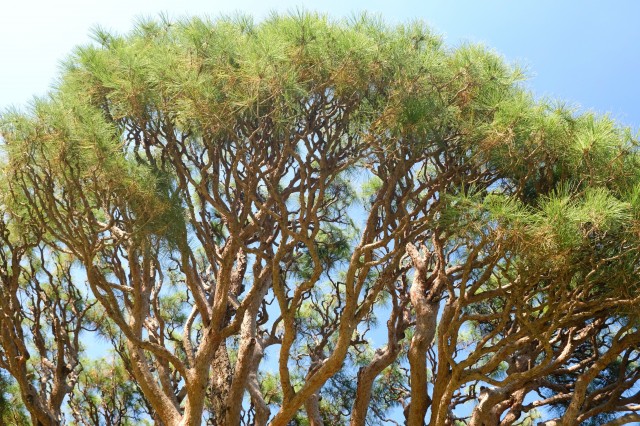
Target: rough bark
{"type": "Point", "coordinates": [424, 294]}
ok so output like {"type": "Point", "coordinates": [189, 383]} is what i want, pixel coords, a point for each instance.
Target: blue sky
{"type": "Point", "coordinates": [584, 52]}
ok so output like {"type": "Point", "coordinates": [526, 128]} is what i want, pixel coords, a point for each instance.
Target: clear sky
{"type": "Point", "coordinates": [584, 52]}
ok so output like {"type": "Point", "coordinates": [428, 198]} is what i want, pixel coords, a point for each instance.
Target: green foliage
{"type": "Point", "coordinates": [12, 410]}
{"type": "Point", "coordinates": [105, 394]}
{"type": "Point", "coordinates": [159, 149]}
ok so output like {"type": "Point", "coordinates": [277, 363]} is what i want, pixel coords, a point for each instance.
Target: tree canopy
{"type": "Point", "coordinates": [310, 221]}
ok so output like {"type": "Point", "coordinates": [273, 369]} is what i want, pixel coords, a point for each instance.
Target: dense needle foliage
{"type": "Point", "coordinates": [309, 221]}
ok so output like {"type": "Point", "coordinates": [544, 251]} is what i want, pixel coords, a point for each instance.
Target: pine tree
{"type": "Point", "coordinates": [311, 221]}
